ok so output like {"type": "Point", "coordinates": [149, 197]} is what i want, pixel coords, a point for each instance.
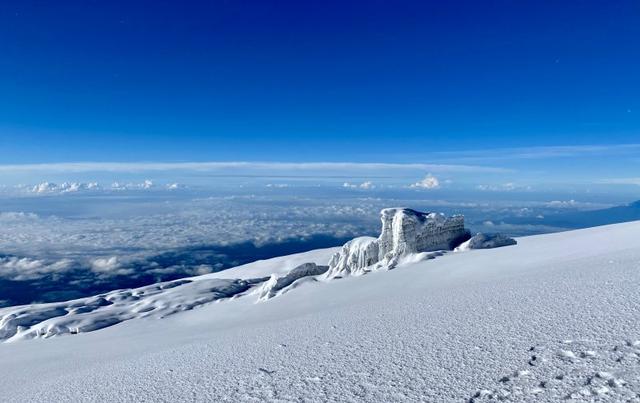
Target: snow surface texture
{"type": "Point", "coordinates": [554, 318]}
{"type": "Point", "coordinates": [486, 241]}
{"type": "Point", "coordinates": [404, 232]}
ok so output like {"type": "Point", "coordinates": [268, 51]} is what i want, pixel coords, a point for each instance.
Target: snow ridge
{"type": "Point", "coordinates": [94, 313]}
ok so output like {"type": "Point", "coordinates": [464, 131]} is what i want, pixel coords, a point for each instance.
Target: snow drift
{"type": "Point", "coordinates": [486, 241]}
{"type": "Point", "coordinates": [279, 284]}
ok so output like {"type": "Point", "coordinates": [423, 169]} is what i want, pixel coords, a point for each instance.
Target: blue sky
{"type": "Point", "coordinates": [495, 84]}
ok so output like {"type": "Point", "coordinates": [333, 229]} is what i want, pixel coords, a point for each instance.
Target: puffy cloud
{"type": "Point", "coordinates": [66, 187]}
{"type": "Point", "coordinates": [105, 265]}
{"type": "Point", "coordinates": [50, 188]}
{"type": "Point", "coordinates": [364, 185]}
{"type": "Point", "coordinates": [429, 182]}
{"type": "Point", "coordinates": [44, 187]}
{"type": "Point", "coordinates": [145, 185]}
{"type": "Point", "coordinates": [23, 268]}
{"type": "Point", "coordinates": [174, 186]}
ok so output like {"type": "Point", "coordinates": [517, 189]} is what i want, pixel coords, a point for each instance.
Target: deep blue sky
{"type": "Point", "coordinates": [312, 81]}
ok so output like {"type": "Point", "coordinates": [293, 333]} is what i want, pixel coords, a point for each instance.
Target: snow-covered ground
{"type": "Point", "coordinates": [554, 317]}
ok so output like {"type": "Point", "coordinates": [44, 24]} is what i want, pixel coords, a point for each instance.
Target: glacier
{"type": "Point", "coordinates": [404, 232]}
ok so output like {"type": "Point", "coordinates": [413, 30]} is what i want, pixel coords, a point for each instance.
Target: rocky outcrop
{"type": "Point", "coordinates": [486, 241]}
{"type": "Point", "coordinates": [404, 232]}
{"type": "Point", "coordinates": [277, 284]}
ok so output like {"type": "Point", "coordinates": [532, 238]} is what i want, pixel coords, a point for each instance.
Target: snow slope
{"type": "Point", "coordinates": [556, 317]}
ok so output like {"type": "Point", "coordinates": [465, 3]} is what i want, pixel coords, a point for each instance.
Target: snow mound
{"type": "Point", "coordinates": [404, 232]}
{"type": "Point", "coordinates": [279, 284]}
{"type": "Point", "coordinates": [93, 313]}
{"type": "Point", "coordinates": [486, 241]}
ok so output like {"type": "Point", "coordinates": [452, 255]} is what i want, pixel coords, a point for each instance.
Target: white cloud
{"type": "Point", "coordinates": [106, 264]}
{"type": "Point", "coordinates": [277, 185]}
{"type": "Point", "coordinates": [544, 152]}
{"type": "Point", "coordinates": [368, 185]}
{"type": "Point", "coordinates": [44, 187]}
{"type": "Point", "coordinates": [429, 182]}
{"type": "Point", "coordinates": [66, 187]}
{"type": "Point", "coordinates": [110, 266]}
{"type": "Point", "coordinates": [174, 186]}
{"type": "Point", "coordinates": [24, 268]}
{"type": "Point", "coordinates": [505, 187]}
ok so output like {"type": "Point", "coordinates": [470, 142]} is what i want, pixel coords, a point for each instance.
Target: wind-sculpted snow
{"type": "Point", "coordinates": [279, 284]}
{"type": "Point", "coordinates": [94, 313]}
{"type": "Point", "coordinates": [404, 232]}
{"type": "Point", "coordinates": [486, 241]}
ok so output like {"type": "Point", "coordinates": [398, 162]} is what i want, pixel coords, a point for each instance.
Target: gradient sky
{"type": "Point", "coordinates": [363, 81]}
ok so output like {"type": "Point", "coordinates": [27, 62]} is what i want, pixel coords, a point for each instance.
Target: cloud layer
{"type": "Point", "coordinates": [86, 243]}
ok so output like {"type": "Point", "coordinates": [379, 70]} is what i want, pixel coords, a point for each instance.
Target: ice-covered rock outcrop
{"type": "Point", "coordinates": [404, 232]}
{"type": "Point", "coordinates": [280, 283]}
{"type": "Point", "coordinates": [486, 241]}
{"type": "Point", "coordinates": [355, 257]}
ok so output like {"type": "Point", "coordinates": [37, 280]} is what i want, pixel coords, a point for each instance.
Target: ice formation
{"type": "Point", "coordinates": [93, 313]}
{"type": "Point", "coordinates": [404, 232]}
{"type": "Point", "coordinates": [486, 241]}
{"type": "Point", "coordinates": [280, 283]}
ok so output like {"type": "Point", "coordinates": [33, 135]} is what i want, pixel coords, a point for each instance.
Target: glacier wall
{"type": "Point", "coordinates": [404, 231]}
